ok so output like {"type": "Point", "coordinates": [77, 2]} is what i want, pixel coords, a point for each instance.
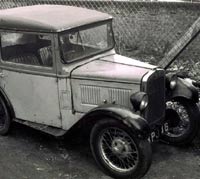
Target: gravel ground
{"type": "Point", "coordinates": [30, 154]}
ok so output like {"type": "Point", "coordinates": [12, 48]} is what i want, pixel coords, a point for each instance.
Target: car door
{"type": "Point", "coordinates": [28, 76]}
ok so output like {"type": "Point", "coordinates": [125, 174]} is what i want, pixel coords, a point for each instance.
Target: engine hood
{"type": "Point", "coordinates": [113, 68]}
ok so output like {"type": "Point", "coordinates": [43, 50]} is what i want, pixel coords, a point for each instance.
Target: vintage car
{"type": "Point", "coordinates": [59, 69]}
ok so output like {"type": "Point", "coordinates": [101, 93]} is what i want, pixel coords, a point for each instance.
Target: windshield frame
{"type": "Point", "coordinates": [84, 27]}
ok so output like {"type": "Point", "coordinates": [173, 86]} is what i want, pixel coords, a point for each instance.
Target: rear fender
{"type": "Point", "coordinates": [133, 121]}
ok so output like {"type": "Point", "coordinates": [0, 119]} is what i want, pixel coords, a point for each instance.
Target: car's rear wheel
{"type": "Point", "coordinates": [118, 152]}
{"type": "Point", "coordinates": [5, 120]}
{"type": "Point", "coordinates": [182, 117]}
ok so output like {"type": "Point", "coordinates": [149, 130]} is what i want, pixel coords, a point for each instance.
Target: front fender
{"type": "Point", "coordinates": [184, 89]}
{"type": "Point", "coordinates": [133, 121]}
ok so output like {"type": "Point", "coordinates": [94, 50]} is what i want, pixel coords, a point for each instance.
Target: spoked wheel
{"type": "Point", "coordinates": [181, 116]}
{"type": "Point", "coordinates": [118, 152]}
{"type": "Point", "coordinates": [117, 147]}
{"type": "Point", "coordinates": [5, 120]}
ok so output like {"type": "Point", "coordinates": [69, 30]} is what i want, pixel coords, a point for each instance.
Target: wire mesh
{"type": "Point", "coordinates": [144, 30]}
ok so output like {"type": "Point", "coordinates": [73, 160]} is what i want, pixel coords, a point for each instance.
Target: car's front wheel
{"type": "Point", "coordinates": [118, 152]}
{"type": "Point", "coordinates": [182, 117]}
{"type": "Point", "coordinates": [5, 120]}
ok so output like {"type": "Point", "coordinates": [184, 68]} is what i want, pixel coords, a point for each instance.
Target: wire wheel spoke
{"type": "Point", "coordinates": [107, 144]}
{"type": "Point", "coordinates": [118, 149]}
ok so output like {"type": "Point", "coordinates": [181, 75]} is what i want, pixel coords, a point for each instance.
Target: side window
{"type": "Point", "coordinates": [30, 49]}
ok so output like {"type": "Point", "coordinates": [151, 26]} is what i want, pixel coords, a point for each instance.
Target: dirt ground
{"type": "Point", "coordinates": [29, 154]}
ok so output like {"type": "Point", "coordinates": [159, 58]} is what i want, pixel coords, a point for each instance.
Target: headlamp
{"type": "Point", "coordinates": [173, 82]}
{"type": "Point", "coordinates": [139, 101]}
{"type": "Point", "coordinates": [144, 102]}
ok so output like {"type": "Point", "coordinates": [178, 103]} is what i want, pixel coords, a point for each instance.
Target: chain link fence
{"type": "Point", "coordinates": [144, 30]}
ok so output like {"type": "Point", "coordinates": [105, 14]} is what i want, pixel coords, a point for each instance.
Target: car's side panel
{"type": "Point", "coordinates": [34, 98]}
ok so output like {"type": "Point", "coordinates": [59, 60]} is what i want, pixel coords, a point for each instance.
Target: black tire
{"type": "Point", "coordinates": [5, 120]}
{"type": "Point", "coordinates": [133, 153]}
{"type": "Point", "coordinates": [182, 117]}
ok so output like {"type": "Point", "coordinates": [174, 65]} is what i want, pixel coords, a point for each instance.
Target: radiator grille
{"type": "Point", "coordinates": [155, 88]}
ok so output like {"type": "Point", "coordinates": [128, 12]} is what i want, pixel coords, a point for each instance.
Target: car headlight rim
{"type": "Point", "coordinates": [144, 103]}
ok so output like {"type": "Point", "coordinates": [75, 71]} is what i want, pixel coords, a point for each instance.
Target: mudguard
{"type": "Point", "coordinates": [8, 103]}
{"type": "Point", "coordinates": [186, 90]}
{"type": "Point", "coordinates": [133, 121]}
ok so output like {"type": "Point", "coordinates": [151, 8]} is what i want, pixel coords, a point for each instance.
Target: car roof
{"type": "Point", "coordinates": [48, 18]}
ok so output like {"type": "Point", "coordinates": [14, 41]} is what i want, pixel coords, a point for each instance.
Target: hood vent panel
{"type": "Point", "coordinates": [97, 95]}
{"type": "Point", "coordinates": [88, 94]}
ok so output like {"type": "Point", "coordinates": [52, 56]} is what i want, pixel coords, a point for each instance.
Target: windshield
{"type": "Point", "coordinates": [84, 42]}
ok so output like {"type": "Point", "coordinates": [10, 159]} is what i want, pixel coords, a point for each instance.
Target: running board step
{"type": "Point", "coordinates": [57, 132]}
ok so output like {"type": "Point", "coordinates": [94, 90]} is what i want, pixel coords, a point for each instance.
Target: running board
{"type": "Point", "coordinates": [57, 132]}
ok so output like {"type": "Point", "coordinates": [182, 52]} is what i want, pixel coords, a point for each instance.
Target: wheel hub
{"type": "Point", "coordinates": [120, 147]}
